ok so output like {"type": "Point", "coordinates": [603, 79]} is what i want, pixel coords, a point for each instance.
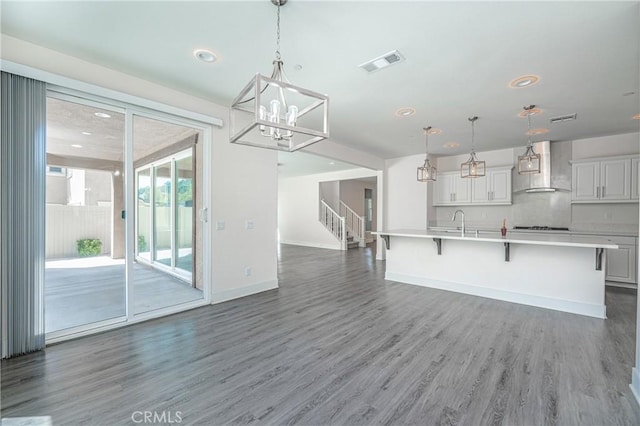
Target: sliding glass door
{"type": "Point", "coordinates": [124, 188]}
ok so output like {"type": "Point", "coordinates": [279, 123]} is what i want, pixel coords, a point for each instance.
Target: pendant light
{"type": "Point", "coordinates": [427, 173]}
{"type": "Point", "coordinates": [472, 168]}
{"type": "Point", "coordinates": [529, 162]}
{"type": "Point", "coordinates": [272, 113]}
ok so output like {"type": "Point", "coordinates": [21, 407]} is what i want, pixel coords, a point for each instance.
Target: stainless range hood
{"type": "Point", "coordinates": [555, 169]}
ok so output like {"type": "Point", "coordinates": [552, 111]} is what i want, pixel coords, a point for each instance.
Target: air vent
{"type": "Point", "coordinates": [383, 61]}
{"type": "Point", "coordinates": [563, 118]}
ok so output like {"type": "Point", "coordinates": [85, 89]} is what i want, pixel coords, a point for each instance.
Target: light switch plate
{"type": "Point", "coordinates": [220, 225]}
{"type": "Point", "coordinates": [249, 224]}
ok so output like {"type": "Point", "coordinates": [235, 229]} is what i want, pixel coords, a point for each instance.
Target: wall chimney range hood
{"type": "Point", "coordinates": [555, 169]}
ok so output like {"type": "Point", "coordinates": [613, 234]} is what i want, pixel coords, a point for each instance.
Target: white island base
{"type": "Point", "coordinates": [559, 275]}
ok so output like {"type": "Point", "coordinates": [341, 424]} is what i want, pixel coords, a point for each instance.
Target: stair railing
{"type": "Point", "coordinates": [354, 222]}
{"type": "Point", "coordinates": [334, 223]}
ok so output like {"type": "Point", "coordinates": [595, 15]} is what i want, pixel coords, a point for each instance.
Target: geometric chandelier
{"type": "Point", "coordinates": [529, 162]}
{"type": "Point", "coordinates": [272, 113]}
{"type": "Point", "coordinates": [427, 173]}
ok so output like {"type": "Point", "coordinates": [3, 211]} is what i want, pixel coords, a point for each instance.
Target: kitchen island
{"type": "Point", "coordinates": [560, 272]}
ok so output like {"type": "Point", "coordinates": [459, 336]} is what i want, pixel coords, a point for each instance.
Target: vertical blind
{"type": "Point", "coordinates": [22, 211]}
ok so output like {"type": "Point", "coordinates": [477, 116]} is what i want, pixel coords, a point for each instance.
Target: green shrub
{"type": "Point", "coordinates": [89, 247]}
{"type": "Point", "coordinates": [142, 244]}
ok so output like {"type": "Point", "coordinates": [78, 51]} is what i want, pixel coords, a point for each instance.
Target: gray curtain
{"type": "Point", "coordinates": [22, 210]}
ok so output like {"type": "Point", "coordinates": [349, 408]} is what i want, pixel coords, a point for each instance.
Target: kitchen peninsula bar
{"type": "Point", "coordinates": [560, 272]}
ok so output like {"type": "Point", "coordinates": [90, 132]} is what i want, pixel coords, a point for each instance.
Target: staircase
{"type": "Point", "coordinates": [347, 227]}
{"type": "Point", "coordinates": [354, 224]}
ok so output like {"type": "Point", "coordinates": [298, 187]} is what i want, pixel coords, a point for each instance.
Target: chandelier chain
{"type": "Point", "coordinates": [278, 34]}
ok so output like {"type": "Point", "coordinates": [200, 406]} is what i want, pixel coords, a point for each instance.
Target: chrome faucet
{"type": "Point", "coordinates": [454, 218]}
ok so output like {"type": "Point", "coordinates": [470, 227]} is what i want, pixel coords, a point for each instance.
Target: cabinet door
{"type": "Point", "coordinates": [443, 193]}
{"type": "Point", "coordinates": [461, 189]}
{"type": "Point", "coordinates": [585, 182]}
{"type": "Point", "coordinates": [615, 179]}
{"type": "Point", "coordinates": [621, 264]}
{"type": "Point", "coordinates": [480, 189]}
{"type": "Point", "coordinates": [634, 178]}
{"type": "Point", "coordinates": [500, 186]}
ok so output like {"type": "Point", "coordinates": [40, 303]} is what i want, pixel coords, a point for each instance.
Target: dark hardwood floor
{"type": "Point", "coordinates": [336, 344]}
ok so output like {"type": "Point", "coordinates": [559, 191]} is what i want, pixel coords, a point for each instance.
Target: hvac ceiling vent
{"type": "Point", "coordinates": [563, 118]}
{"type": "Point", "coordinates": [388, 59]}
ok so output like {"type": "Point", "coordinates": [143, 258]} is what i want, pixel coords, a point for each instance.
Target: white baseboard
{"type": "Point", "coordinates": [588, 309]}
{"type": "Point", "coordinates": [635, 384]}
{"type": "Point", "coordinates": [236, 293]}
{"type": "Point", "coordinates": [335, 246]}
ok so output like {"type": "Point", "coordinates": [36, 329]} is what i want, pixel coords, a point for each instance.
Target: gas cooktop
{"type": "Point", "coordinates": [541, 228]}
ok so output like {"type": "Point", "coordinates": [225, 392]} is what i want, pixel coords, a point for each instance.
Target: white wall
{"type": "Point", "coordinates": [298, 208]}
{"type": "Point", "coordinates": [606, 146]}
{"type": "Point", "coordinates": [243, 179]}
{"type": "Point", "coordinates": [330, 193]}
{"type": "Point", "coordinates": [405, 204]}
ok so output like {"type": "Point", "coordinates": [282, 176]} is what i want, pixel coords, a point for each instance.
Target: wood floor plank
{"type": "Point", "coordinates": [337, 344]}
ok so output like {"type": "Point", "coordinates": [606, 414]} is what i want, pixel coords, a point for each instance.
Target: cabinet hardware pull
{"type": "Point", "coordinates": [598, 192]}
{"type": "Point", "coordinates": [603, 189]}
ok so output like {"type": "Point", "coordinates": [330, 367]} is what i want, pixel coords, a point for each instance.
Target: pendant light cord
{"type": "Point", "coordinates": [426, 141]}
{"type": "Point", "coordinates": [529, 126]}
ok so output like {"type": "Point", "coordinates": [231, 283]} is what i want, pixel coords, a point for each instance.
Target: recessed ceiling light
{"type": "Point", "coordinates": [434, 131]}
{"type": "Point", "coordinates": [75, 145]}
{"type": "Point", "coordinates": [536, 131]}
{"type": "Point", "coordinates": [101, 115]}
{"type": "Point", "coordinates": [297, 67]}
{"type": "Point", "coordinates": [524, 81]}
{"type": "Point", "coordinates": [405, 112]}
{"type": "Point", "coordinates": [86, 133]}
{"type": "Point", "coordinates": [532, 111]}
{"type": "Point", "coordinates": [205, 55]}
{"type": "Point", "coordinates": [636, 117]}
{"type": "Point", "coordinates": [450, 145]}
{"type": "Point", "coordinates": [116, 172]}
{"type": "Point", "coordinates": [332, 163]}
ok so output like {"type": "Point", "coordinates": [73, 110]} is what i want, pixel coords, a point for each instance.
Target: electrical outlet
{"type": "Point", "coordinates": [220, 225]}
{"type": "Point", "coordinates": [247, 272]}
{"type": "Point", "coordinates": [608, 216]}
{"type": "Point", "coordinates": [249, 224]}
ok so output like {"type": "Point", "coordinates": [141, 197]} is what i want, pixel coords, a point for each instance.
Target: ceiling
{"type": "Point", "coordinates": [291, 164]}
{"type": "Point", "coordinates": [460, 57]}
{"type": "Point", "coordinates": [69, 122]}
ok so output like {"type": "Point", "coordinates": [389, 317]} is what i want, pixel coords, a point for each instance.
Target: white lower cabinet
{"type": "Point", "coordinates": [621, 262]}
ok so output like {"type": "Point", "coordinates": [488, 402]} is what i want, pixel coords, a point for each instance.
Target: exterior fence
{"type": "Point", "coordinates": [67, 224]}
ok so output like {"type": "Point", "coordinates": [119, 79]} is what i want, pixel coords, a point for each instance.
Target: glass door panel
{"type": "Point", "coordinates": [166, 156]}
{"type": "Point", "coordinates": [143, 214]}
{"type": "Point", "coordinates": [162, 213]}
{"type": "Point", "coordinates": [85, 229]}
{"type": "Point", "coordinates": [184, 214]}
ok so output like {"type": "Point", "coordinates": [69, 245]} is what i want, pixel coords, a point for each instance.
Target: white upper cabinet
{"type": "Point", "coordinates": [493, 188]}
{"type": "Point", "coordinates": [451, 189]}
{"type": "Point", "coordinates": [585, 181]}
{"type": "Point", "coordinates": [634, 178]}
{"type": "Point", "coordinates": [603, 181]}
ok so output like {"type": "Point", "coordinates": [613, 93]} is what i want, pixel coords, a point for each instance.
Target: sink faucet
{"type": "Point", "coordinates": [454, 218]}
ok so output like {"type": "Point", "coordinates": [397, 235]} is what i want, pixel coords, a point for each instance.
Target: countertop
{"type": "Point", "coordinates": [566, 240]}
